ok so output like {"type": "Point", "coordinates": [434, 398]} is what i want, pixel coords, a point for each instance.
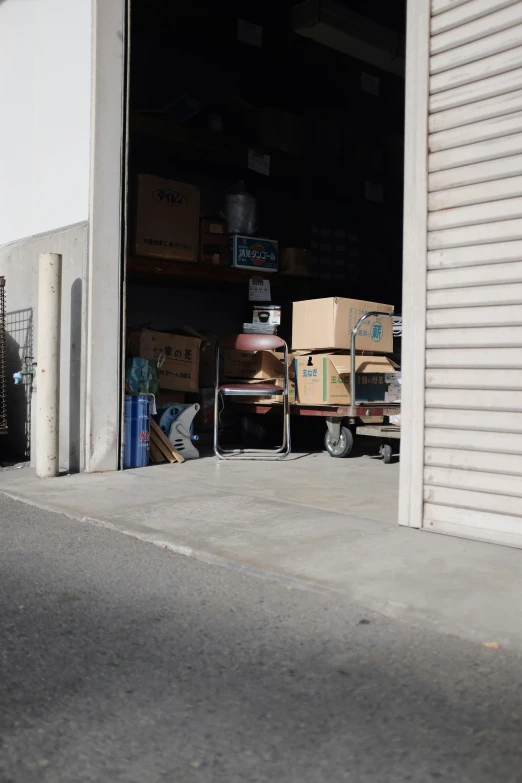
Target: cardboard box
{"type": "Point", "coordinates": [167, 219]}
{"type": "Point", "coordinates": [324, 378]}
{"type": "Point", "coordinates": [276, 398]}
{"type": "Point", "coordinates": [325, 324]}
{"type": "Point", "coordinates": [297, 261]}
{"type": "Point", "coordinates": [257, 365]}
{"type": "Point", "coordinates": [255, 254]}
{"type": "Point", "coordinates": [180, 369]}
{"type": "Point", "coordinates": [213, 242]}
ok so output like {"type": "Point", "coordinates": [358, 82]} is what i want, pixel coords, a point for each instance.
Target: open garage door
{"type": "Point", "coordinates": [463, 270]}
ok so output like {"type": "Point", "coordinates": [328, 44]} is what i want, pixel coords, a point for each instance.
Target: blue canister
{"type": "Point", "coordinates": [137, 431]}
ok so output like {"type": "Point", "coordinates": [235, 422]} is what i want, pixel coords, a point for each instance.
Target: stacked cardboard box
{"type": "Point", "coordinates": [167, 219]}
{"type": "Point", "coordinates": [321, 341]}
{"type": "Point", "coordinates": [177, 354]}
{"type": "Point", "coordinates": [254, 367]}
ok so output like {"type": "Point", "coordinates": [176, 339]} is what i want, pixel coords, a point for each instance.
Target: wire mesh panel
{"type": "Point", "coordinates": [19, 342]}
{"type": "Point", "coordinates": [3, 366]}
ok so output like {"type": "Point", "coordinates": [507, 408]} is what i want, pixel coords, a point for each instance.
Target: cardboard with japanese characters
{"type": "Point", "coordinates": [167, 219]}
{"type": "Point", "coordinates": [177, 354]}
{"type": "Point", "coordinates": [326, 324]}
{"type": "Point", "coordinates": [324, 378]}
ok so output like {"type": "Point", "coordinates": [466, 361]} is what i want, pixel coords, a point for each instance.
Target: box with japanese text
{"type": "Point", "coordinates": [167, 219]}
{"type": "Point", "coordinates": [254, 253]}
{"type": "Point", "coordinates": [324, 378]}
{"type": "Point", "coordinates": [177, 354]}
{"type": "Point", "coordinates": [326, 324]}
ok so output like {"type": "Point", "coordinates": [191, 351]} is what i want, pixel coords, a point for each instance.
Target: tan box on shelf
{"type": "Point", "coordinates": [296, 261]}
{"type": "Point", "coordinates": [213, 242]}
{"type": "Point", "coordinates": [180, 369]}
{"type": "Point", "coordinates": [167, 219]}
{"type": "Point", "coordinates": [324, 378]}
{"type": "Point", "coordinates": [325, 324]}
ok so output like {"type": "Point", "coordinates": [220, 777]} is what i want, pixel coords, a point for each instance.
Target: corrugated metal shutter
{"type": "Point", "coordinates": [473, 395]}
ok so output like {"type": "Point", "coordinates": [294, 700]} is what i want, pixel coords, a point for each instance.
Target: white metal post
{"type": "Point", "coordinates": [415, 249]}
{"type": "Point", "coordinates": [106, 268]}
{"type": "Point", "coordinates": [48, 364]}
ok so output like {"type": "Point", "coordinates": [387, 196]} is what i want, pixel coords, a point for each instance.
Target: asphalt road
{"type": "Point", "coordinates": [124, 662]}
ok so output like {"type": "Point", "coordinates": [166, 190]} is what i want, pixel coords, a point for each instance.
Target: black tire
{"type": "Point", "coordinates": [343, 446]}
{"type": "Point", "coordinates": [387, 453]}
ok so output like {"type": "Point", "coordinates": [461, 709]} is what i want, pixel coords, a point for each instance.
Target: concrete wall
{"type": "Point", "coordinates": [45, 139]}
{"type": "Point", "coordinates": [61, 141]}
{"type": "Point", "coordinates": [45, 99]}
{"type": "Point", "coordinates": [19, 264]}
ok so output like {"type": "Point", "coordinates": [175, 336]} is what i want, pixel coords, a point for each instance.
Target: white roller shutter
{"type": "Point", "coordinates": [471, 270]}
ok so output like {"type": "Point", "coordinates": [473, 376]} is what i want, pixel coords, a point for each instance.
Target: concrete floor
{"type": "Point", "coordinates": [331, 523]}
{"type": "Point", "coordinates": [125, 663]}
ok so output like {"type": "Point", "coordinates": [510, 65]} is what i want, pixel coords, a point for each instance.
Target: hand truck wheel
{"type": "Point", "coordinates": [343, 446]}
{"type": "Point", "coordinates": [386, 453]}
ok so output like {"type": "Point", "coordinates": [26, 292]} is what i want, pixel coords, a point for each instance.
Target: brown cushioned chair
{"type": "Point", "coordinates": [252, 342]}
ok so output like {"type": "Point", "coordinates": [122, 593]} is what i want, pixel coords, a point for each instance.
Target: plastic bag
{"type": "Point", "coordinates": [142, 376]}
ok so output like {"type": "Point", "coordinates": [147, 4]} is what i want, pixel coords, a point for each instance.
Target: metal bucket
{"type": "Point", "coordinates": [241, 212]}
{"type": "Point", "coordinates": [137, 431]}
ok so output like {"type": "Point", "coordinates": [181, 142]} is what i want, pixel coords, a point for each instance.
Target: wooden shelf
{"type": "Point", "coordinates": [152, 271]}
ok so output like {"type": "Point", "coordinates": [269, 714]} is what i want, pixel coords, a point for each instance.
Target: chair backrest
{"type": "Point", "coordinates": [252, 342]}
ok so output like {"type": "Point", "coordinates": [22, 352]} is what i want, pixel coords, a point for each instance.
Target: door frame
{"type": "Point", "coordinates": [106, 252]}
{"type": "Point", "coordinates": [415, 248]}
{"type": "Point", "coordinates": [106, 258]}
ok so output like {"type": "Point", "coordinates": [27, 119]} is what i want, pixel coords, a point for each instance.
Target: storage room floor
{"type": "Point", "coordinates": [360, 485]}
{"type": "Point", "coordinates": [156, 497]}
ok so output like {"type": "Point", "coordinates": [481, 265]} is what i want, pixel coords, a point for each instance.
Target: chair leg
{"type": "Point", "coordinates": [217, 450]}
{"type": "Point", "coordinates": [258, 454]}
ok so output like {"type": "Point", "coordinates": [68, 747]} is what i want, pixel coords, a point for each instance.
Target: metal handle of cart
{"type": "Point", "coordinates": [355, 331]}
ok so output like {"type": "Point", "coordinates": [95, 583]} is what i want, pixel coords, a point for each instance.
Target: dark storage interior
{"type": "Point", "coordinates": [215, 88]}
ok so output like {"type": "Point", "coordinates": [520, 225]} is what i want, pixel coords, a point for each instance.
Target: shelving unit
{"type": "Point", "coordinates": [141, 268]}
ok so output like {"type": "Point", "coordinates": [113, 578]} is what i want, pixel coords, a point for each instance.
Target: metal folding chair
{"type": "Point", "coordinates": [252, 342]}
